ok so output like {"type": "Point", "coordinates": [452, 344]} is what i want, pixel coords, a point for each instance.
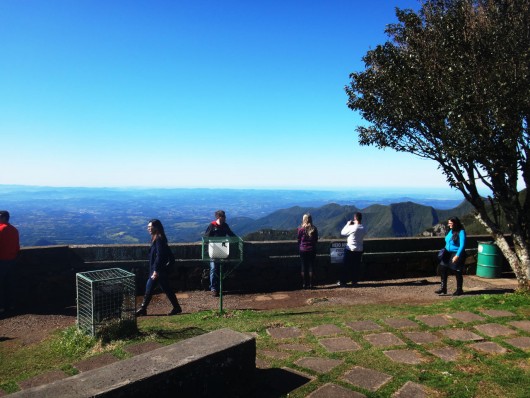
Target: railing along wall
{"type": "Point", "coordinates": [46, 275]}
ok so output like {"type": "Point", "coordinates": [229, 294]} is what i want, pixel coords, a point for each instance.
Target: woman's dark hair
{"type": "Point", "coordinates": [5, 215]}
{"type": "Point", "coordinates": [158, 230]}
{"type": "Point", "coordinates": [457, 227]}
{"type": "Point", "coordinates": [358, 216]}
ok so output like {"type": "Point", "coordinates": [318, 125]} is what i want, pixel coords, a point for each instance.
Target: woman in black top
{"type": "Point", "coordinates": [158, 259]}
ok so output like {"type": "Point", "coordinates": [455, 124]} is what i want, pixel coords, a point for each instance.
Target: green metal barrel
{"type": "Point", "coordinates": [488, 260]}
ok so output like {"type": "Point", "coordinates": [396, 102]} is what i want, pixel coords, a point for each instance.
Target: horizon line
{"type": "Point", "coordinates": [236, 187]}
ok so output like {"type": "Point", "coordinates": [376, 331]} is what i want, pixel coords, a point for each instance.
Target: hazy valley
{"type": "Point", "coordinates": [49, 216]}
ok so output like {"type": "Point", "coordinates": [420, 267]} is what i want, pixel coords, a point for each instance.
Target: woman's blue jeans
{"type": "Point", "coordinates": [166, 288]}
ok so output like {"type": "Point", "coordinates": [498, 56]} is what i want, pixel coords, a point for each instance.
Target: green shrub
{"type": "Point", "coordinates": [73, 343]}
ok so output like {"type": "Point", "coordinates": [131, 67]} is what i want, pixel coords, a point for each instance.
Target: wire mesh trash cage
{"type": "Point", "coordinates": [226, 249]}
{"type": "Point", "coordinates": [106, 299]}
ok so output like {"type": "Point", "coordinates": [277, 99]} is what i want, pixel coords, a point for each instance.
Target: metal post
{"type": "Point", "coordinates": [220, 256]}
{"type": "Point", "coordinates": [220, 287]}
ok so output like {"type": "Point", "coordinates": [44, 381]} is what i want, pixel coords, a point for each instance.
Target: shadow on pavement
{"type": "Point", "coordinates": [276, 382]}
{"type": "Point", "coordinates": [486, 291]}
{"type": "Point", "coordinates": [420, 282]}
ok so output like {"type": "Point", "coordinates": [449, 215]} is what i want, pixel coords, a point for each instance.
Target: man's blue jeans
{"type": "Point", "coordinates": [214, 276]}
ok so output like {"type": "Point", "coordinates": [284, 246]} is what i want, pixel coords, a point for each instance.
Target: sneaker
{"type": "Point", "coordinates": [341, 284]}
{"type": "Point", "coordinates": [141, 312]}
{"type": "Point", "coordinates": [215, 293]}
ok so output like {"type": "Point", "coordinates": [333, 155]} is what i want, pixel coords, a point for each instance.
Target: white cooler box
{"type": "Point", "coordinates": [219, 250]}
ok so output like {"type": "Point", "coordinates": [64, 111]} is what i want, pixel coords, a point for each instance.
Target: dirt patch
{"type": "Point", "coordinates": [29, 329]}
{"type": "Point", "coordinates": [25, 329]}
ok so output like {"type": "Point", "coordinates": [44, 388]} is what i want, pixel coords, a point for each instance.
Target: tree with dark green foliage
{"type": "Point", "coordinates": [452, 85]}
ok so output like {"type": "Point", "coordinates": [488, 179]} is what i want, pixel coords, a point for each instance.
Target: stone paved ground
{"type": "Point", "coordinates": [319, 351]}
{"type": "Point", "coordinates": [411, 348]}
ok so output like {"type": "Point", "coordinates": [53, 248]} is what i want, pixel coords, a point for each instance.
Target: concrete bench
{"type": "Point", "coordinates": [207, 365]}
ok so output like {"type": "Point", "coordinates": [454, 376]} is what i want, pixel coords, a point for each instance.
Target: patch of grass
{"type": "Point", "coordinates": [23, 362]}
{"type": "Point", "coordinates": [73, 343]}
{"type": "Point", "coordinates": [9, 386]}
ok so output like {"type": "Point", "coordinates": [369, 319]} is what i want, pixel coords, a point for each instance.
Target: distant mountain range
{"type": "Point", "coordinates": [394, 220]}
{"type": "Point", "coordinates": [59, 216]}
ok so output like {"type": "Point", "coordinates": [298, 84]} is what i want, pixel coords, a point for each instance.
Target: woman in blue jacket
{"type": "Point", "coordinates": [158, 272]}
{"type": "Point", "coordinates": [454, 256]}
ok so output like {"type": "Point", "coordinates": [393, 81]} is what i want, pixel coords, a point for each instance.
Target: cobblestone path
{"type": "Point", "coordinates": [403, 342]}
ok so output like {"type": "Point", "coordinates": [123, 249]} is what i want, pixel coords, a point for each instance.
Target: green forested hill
{"type": "Point", "coordinates": [395, 220]}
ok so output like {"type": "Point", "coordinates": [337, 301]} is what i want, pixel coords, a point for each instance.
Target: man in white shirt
{"type": "Point", "coordinates": [353, 252]}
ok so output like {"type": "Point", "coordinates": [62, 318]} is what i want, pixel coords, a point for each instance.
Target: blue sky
{"type": "Point", "coordinates": [192, 94]}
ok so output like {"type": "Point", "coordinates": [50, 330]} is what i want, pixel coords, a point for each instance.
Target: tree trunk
{"type": "Point", "coordinates": [523, 264]}
{"type": "Point", "coordinates": [518, 257]}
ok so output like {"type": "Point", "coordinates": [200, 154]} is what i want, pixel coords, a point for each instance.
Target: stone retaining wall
{"type": "Point", "coordinates": [201, 366]}
{"type": "Point", "coordinates": [48, 274]}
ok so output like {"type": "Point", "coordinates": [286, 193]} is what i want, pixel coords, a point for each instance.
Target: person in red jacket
{"type": "Point", "coordinates": [9, 248]}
